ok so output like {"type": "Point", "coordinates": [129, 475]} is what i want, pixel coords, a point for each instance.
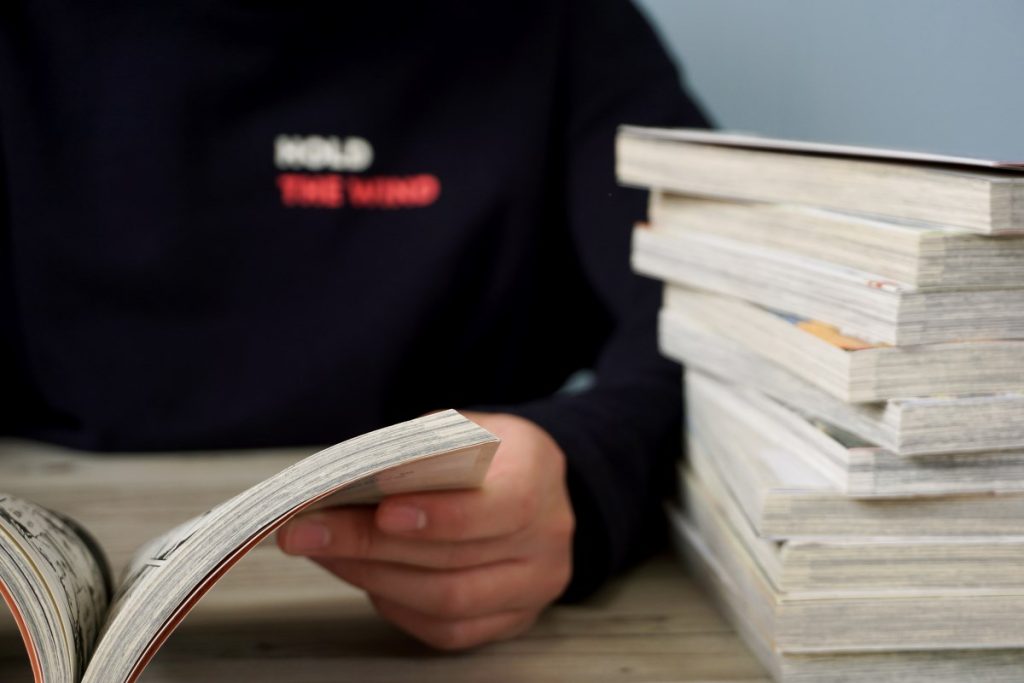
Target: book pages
{"type": "Point", "coordinates": [856, 375]}
{"type": "Point", "coordinates": [748, 606]}
{"type": "Point", "coordinates": [739, 139]}
{"type": "Point", "coordinates": [172, 572]}
{"type": "Point", "coordinates": [859, 469]}
{"type": "Point", "coordinates": [860, 304]}
{"type": "Point", "coordinates": [854, 397]}
{"type": "Point", "coordinates": [55, 584]}
{"type": "Point", "coordinates": [925, 256]}
{"type": "Point", "coordinates": [905, 426]}
{"type": "Point", "coordinates": [980, 200]}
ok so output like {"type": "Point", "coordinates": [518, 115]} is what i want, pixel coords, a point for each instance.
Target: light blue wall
{"type": "Point", "coordinates": [937, 75]}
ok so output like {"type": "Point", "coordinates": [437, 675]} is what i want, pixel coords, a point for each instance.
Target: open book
{"type": "Point", "coordinates": [79, 626]}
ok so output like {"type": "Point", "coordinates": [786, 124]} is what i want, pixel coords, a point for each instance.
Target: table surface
{"type": "Point", "coordinates": [278, 618]}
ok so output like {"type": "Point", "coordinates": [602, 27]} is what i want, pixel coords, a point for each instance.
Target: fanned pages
{"type": "Point", "coordinates": [56, 586]}
{"type": "Point", "coordinates": [54, 583]}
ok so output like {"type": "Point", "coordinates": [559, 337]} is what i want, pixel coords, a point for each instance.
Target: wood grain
{"type": "Point", "coordinates": [276, 618]}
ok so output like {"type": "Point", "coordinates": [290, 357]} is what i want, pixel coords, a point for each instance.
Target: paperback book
{"type": "Point", "coordinates": [848, 368]}
{"type": "Point", "coordinates": [785, 498]}
{"type": "Point", "coordinates": [830, 621]}
{"type": "Point", "coordinates": [857, 468]}
{"type": "Point", "coordinates": [904, 426]}
{"type": "Point", "coordinates": [894, 566]}
{"type": "Point", "coordinates": [982, 196]}
{"type": "Point", "coordinates": [924, 256]}
{"type": "Point", "coordinates": [860, 304]}
{"type": "Point", "coordinates": [78, 625]}
{"type": "Point", "coordinates": [747, 603]}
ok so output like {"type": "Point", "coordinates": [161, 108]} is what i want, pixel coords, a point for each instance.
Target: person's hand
{"type": "Point", "coordinates": [458, 568]}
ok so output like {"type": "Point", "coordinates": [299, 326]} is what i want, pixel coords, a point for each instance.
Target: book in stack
{"type": "Point", "coordinates": [851, 321]}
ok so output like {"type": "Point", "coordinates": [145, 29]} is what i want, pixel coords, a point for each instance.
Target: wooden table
{"type": "Point", "coordinates": [277, 618]}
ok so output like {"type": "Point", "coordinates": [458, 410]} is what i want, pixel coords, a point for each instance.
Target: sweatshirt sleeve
{"type": "Point", "coordinates": [621, 436]}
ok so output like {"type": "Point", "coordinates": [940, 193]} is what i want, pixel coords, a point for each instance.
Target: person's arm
{"type": "Point", "coordinates": [622, 435]}
{"type": "Point", "coordinates": [463, 568]}
{"type": "Point", "coordinates": [16, 394]}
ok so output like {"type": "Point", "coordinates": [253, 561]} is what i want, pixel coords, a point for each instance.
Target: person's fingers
{"type": "Point", "coordinates": [515, 493]}
{"type": "Point", "coordinates": [455, 634]}
{"type": "Point", "coordinates": [458, 568]}
{"type": "Point", "coordinates": [459, 593]}
{"type": "Point", "coordinates": [506, 504]}
{"type": "Point", "coordinates": [347, 531]}
{"type": "Point", "coordinates": [351, 533]}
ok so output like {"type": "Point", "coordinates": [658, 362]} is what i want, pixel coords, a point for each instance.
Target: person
{"type": "Point", "coordinates": [249, 224]}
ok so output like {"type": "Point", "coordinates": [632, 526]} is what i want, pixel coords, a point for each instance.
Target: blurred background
{"type": "Point", "coordinates": [942, 76]}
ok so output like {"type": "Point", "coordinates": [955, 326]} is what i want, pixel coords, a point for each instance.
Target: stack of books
{"type": "Point", "coordinates": [852, 326]}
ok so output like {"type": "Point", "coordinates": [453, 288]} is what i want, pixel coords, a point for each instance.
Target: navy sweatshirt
{"type": "Point", "coordinates": [249, 224]}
